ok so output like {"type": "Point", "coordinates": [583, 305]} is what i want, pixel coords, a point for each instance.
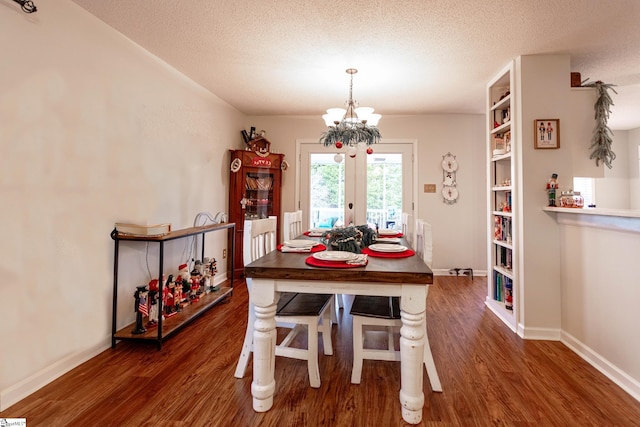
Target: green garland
{"type": "Point", "coordinates": [350, 239]}
{"type": "Point", "coordinates": [602, 136]}
{"type": "Point", "coordinates": [350, 134]}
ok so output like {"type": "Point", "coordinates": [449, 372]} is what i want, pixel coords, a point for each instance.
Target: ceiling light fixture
{"type": "Point", "coordinates": [353, 126]}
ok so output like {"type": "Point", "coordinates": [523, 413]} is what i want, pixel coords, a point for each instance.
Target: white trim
{"type": "Point", "coordinates": [547, 334]}
{"type": "Point", "coordinates": [413, 167]}
{"type": "Point", "coordinates": [13, 394]}
{"type": "Point", "coordinates": [607, 368]}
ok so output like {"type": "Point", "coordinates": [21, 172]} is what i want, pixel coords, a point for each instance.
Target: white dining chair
{"type": "Point", "coordinates": [291, 225]}
{"type": "Point", "coordinates": [383, 313]}
{"type": "Point", "coordinates": [292, 228]}
{"type": "Point", "coordinates": [294, 310]}
{"type": "Point", "coordinates": [408, 227]}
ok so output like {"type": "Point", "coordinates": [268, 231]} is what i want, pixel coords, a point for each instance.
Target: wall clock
{"type": "Point", "coordinates": [449, 189]}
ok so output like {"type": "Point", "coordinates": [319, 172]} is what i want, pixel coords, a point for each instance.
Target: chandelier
{"type": "Point", "coordinates": [353, 126]}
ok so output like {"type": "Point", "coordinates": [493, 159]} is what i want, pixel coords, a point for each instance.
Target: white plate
{"type": "Point", "coordinates": [334, 256]}
{"type": "Point", "coordinates": [299, 243]}
{"type": "Point", "coordinates": [318, 230]}
{"type": "Point", "coordinates": [383, 247]}
{"type": "Point", "coordinates": [387, 232]}
{"type": "Point", "coordinates": [388, 239]}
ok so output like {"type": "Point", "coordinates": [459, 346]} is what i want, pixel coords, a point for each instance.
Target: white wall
{"type": "Point", "coordinates": [600, 294]}
{"type": "Point", "coordinates": [634, 168]}
{"type": "Point", "coordinates": [458, 230]}
{"type": "Point", "coordinates": [94, 131]}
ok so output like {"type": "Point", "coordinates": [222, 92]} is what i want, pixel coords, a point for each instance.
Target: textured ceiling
{"type": "Point", "coordinates": [288, 57]}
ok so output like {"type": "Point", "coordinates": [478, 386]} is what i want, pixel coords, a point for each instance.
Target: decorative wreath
{"type": "Point", "coordinates": [350, 239]}
{"type": "Point", "coordinates": [236, 164]}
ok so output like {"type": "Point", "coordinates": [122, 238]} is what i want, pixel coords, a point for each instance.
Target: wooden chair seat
{"type": "Point", "coordinates": [294, 304]}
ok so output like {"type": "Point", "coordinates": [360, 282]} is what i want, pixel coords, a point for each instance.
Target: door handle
{"type": "Point", "coordinates": [350, 205]}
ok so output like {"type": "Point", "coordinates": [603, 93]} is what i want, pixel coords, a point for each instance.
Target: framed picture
{"type": "Point", "coordinates": [547, 133]}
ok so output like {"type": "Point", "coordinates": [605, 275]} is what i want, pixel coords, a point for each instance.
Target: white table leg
{"type": "Point", "coordinates": [412, 311]}
{"type": "Point", "coordinates": [264, 343]}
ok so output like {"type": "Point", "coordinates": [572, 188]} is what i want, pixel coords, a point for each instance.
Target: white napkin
{"type": "Point", "coordinates": [290, 249]}
{"type": "Point", "coordinates": [315, 233]}
{"type": "Point", "coordinates": [360, 259]}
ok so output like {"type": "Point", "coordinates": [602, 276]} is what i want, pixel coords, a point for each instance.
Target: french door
{"type": "Point", "coordinates": [336, 189]}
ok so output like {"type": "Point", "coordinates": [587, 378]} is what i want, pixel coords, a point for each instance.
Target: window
{"type": "Point", "coordinates": [586, 187]}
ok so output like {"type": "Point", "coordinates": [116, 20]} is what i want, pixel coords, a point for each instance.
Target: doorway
{"type": "Point", "coordinates": [336, 189]}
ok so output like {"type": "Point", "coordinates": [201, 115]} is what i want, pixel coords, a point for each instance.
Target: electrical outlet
{"type": "Point", "coordinates": [224, 254]}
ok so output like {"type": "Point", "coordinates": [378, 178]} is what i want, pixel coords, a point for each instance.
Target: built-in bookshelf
{"type": "Point", "coordinates": [502, 295]}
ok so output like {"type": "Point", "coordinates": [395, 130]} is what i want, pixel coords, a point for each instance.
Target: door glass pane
{"type": "Point", "coordinates": [384, 190]}
{"type": "Point", "coordinates": [327, 191]}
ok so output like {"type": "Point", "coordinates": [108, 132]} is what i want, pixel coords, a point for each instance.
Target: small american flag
{"type": "Point", "coordinates": [143, 308]}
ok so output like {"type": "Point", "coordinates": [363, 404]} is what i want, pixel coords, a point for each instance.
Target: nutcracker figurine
{"type": "Point", "coordinates": [153, 303]}
{"type": "Point", "coordinates": [141, 308]}
{"type": "Point", "coordinates": [552, 186]}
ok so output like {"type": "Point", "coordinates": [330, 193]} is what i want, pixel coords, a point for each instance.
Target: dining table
{"type": "Point", "coordinates": [404, 277]}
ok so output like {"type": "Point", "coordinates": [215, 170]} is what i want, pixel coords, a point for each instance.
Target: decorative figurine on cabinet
{"type": "Point", "coordinates": [141, 308]}
{"type": "Point", "coordinates": [208, 272]}
{"type": "Point", "coordinates": [153, 304]}
{"type": "Point", "coordinates": [195, 286]}
{"type": "Point", "coordinates": [184, 280]}
{"type": "Point", "coordinates": [177, 297]}
{"type": "Point", "coordinates": [168, 299]}
{"type": "Point", "coordinates": [261, 146]}
{"type": "Point", "coordinates": [552, 186]}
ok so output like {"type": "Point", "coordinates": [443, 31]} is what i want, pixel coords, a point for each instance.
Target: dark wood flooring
{"type": "Point", "coordinates": [490, 377]}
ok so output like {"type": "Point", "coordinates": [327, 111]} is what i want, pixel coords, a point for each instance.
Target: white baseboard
{"type": "Point", "coordinates": [24, 388]}
{"type": "Point", "coordinates": [219, 278]}
{"type": "Point", "coordinates": [546, 334]}
{"type": "Point", "coordinates": [611, 371]}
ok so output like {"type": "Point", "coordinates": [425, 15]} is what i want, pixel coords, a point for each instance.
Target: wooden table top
{"type": "Point", "coordinates": [292, 266]}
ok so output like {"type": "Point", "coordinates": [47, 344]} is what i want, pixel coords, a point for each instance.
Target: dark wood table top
{"type": "Point", "coordinates": [292, 266]}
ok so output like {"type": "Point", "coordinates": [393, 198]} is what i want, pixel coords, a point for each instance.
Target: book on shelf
{"type": "Point", "coordinates": [508, 293]}
{"type": "Point", "coordinates": [504, 258]}
{"type": "Point", "coordinates": [259, 183]}
{"type": "Point", "coordinates": [143, 230]}
{"type": "Point", "coordinates": [502, 228]}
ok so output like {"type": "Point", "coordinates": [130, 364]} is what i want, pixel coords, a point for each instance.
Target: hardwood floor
{"type": "Point", "coordinates": [490, 377]}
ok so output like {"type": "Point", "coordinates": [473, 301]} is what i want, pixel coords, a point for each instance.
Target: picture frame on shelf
{"type": "Point", "coordinates": [546, 133]}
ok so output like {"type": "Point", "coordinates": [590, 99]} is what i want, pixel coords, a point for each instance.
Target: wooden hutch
{"type": "Point", "coordinates": [255, 184]}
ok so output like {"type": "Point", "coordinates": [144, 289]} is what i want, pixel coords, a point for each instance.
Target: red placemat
{"type": "Point", "coordinates": [332, 264]}
{"type": "Point", "coordinates": [403, 254]}
{"type": "Point", "coordinates": [390, 235]}
{"type": "Point", "coordinates": [319, 247]}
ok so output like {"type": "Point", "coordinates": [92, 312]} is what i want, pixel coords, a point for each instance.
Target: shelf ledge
{"type": "Point", "coordinates": [610, 219]}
